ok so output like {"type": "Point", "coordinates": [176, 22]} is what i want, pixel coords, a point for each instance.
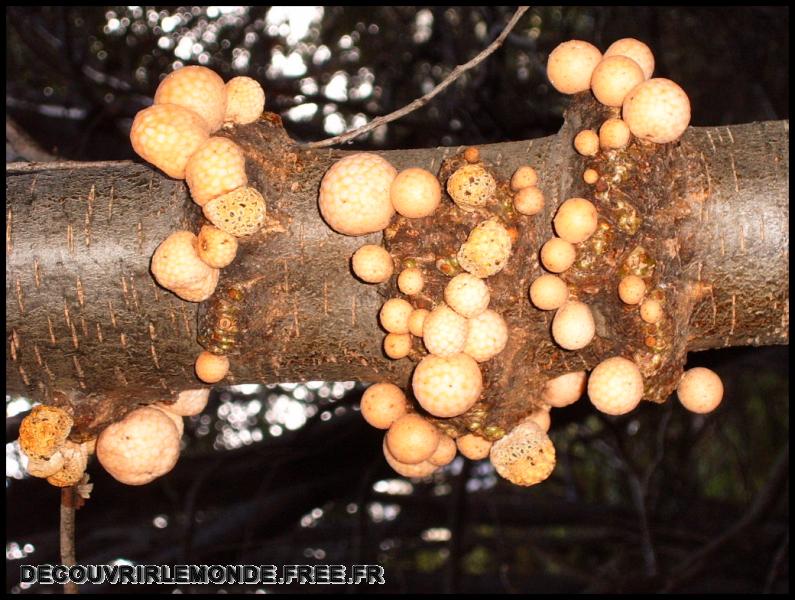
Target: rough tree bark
{"type": "Point", "coordinates": [706, 219]}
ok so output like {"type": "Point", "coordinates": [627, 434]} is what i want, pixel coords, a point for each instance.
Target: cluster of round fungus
{"type": "Point", "coordinates": [444, 331]}
{"type": "Point", "coordinates": [216, 168]}
{"type": "Point", "coordinates": [525, 456]}
{"type": "Point", "coordinates": [412, 438]}
{"type": "Point", "coordinates": [245, 101]}
{"type": "Point", "coordinates": [700, 390]}
{"type": "Point", "coordinates": [614, 134]}
{"type": "Point", "coordinates": [420, 469]}
{"type": "Point", "coordinates": [447, 386]}
{"type": "Point", "coordinates": [615, 386]}
{"type": "Point", "coordinates": [473, 446]}
{"type": "Point", "coordinates": [487, 336]}
{"type": "Point", "coordinates": [571, 64]}
{"type": "Point", "coordinates": [382, 404]}
{"type": "Point", "coordinates": [467, 295]}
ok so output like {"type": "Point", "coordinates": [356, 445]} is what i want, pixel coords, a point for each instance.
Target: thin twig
{"type": "Point", "coordinates": [423, 100]}
{"type": "Point", "coordinates": [24, 145]}
{"type": "Point", "coordinates": [68, 497]}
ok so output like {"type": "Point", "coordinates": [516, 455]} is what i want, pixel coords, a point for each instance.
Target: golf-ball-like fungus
{"type": "Point", "coordinates": [524, 177]}
{"type": "Point", "coordinates": [410, 281]}
{"type": "Point", "coordinates": [74, 465]}
{"type": "Point", "coordinates": [176, 419]}
{"type": "Point", "coordinates": [613, 78]}
{"type": "Point", "coordinates": [471, 186]}
{"type": "Point", "coordinates": [44, 467]}
{"type": "Point", "coordinates": [394, 315]}
{"type": "Point", "coordinates": [196, 88]}
{"type": "Point", "coordinates": [421, 469]}
{"type": "Point", "coordinates": [216, 248]}
{"type": "Point", "coordinates": [415, 193]}
{"type": "Point", "coordinates": [486, 250]}
{"type": "Point", "coordinates": [564, 390]}
{"type": "Point", "coordinates": [529, 200]}
{"type": "Point", "coordinates": [700, 390]}
{"type": "Point", "coordinates": [139, 448]}
{"type": "Point", "coordinates": [487, 336]}
{"type": "Point", "coordinates": [573, 326]}
{"type": "Point", "coordinates": [444, 332]}
{"type": "Point", "coordinates": [657, 110]}
{"type": "Point", "coordinates": [525, 456]}
{"type": "Point", "coordinates": [176, 263]}
{"type": "Point", "coordinates": [576, 220]}
{"type": "Point", "coordinates": [548, 292]}
{"type": "Point", "coordinates": [211, 368]}
{"type": "Point", "coordinates": [590, 176]}
{"type": "Point", "coordinates": [615, 386]}
{"type": "Point", "coordinates": [245, 101]}
{"type": "Point", "coordinates": [43, 431]}
{"type": "Point", "coordinates": [651, 311]}
{"type": "Point", "coordinates": [241, 212]}
{"type": "Point", "coordinates": [412, 439]}
{"type": "Point", "coordinates": [216, 168]}
{"type": "Point", "coordinates": [372, 264]}
{"type": "Point", "coordinates": [397, 345]}
{"type": "Point", "coordinates": [166, 136]}
{"type": "Point", "coordinates": [542, 418]}
{"type": "Point", "coordinates": [382, 404]}
{"type": "Point", "coordinates": [447, 386]}
{"type": "Point", "coordinates": [586, 142]}
{"type": "Point", "coordinates": [571, 64]}
{"type": "Point", "coordinates": [467, 295]}
{"type": "Point", "coordinates": [445, 452]}
{"type": "Point", "coordinates": [613, 135]}
{"type": "Point", "coordinates": [199, 292]}
{"type": "Point", "coordinates": [473, 446]}
{"type": "Point", "coordinates": [417, 321]}
{"type": "Point", "coordinates": [637, 51]}
{"type": "Point", "coordinates": [189, 402]}
{"type": "Point", "coordinates": [631, 289]}
{"type": "Point", "coordinates": [557, 255]}
{"type": "Point", "coordinates": [355, 194]}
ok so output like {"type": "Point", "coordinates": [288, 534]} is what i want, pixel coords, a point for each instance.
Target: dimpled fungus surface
{"type": "Point", "coordinates": [421, 469]}
{"type": "Point", "coordinates": [175, 263]}
{"type": "Point", "coordinates": [467, 295]}
{"type": "Point", "coordinates": [415, 193]}
{"type": "Point", "coordinates": [382, 404]}
{"type": "Point", "coordinates": [245, 101]}
{"type": "Point", "coordinates": [166, 136]}
{"type": "Point", "coordinates": [637, 51]}
{"type": "Point", "coordinates": [200, 291]}
{"type": "Point", "coordinates": [44, 430]}
{"type": "Point", "coordinates": [564, 390]}
{"type": "Point", "coordinates": [473, 446]}
{"type": "Point", "coordinates": [700, 390]}
{"type": "Point", "coordinates": [241, 212]}
{"type": "Point", "coordinates": [487, 336]}
{"type": "Point", "coordinates": [372, 264]}
{"type": "Point", "coordinates": [354, 194]}
{"type": "Point", "coordinates": [444, 331]}
{"type": "Point", "coordinates": [140, 448]}
{"type": "Point", "coordinates": [412, 439]}
{"type": "Point", "coordinates": [657, 110]}
{"type": "Point", "coordinates": [215, 247]}
{"type": "Point", "coordinates": [571, 64]}
{"type": "Point", "coordinates": [197, 88]}
{"type": "Point", "coordinates": [189, 402]}
{"type": "Point", "coordinates": [615, 386]}
{"type": "Point", "coordinates": [447, 386]}
{"type": "Point", "coordinates": [613, 78]}
{"type": "Point", "coordinates": [525, 456]}
{"type": "Point", "coordinates": [486, 250]}
{"type": "Point", "coordinates": [576, 220]}
{"type": "Point", "coordinates": [218, 167]}
{"type": "Point", "coordinates": [471, 186]}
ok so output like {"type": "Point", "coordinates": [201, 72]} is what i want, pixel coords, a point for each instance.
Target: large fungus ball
{"type": "Point", "coordinates": [657, 110]}
{"type": "Point", "coordinates": [573, 326]}
{"type": "Point", "coordinates": [444, 332]}
{"type": "Point", "coordinates": [382, 404]}
{"type": "Point", "coordinates": [631, 289]}
{"type": "Point", "coordinates": [700, 390]}
{"type": "Point", "coordinates": [586, 142]}
{"type": "Point", "coordinates": [245, 101]}
{"type": "Point", "coordinates": [473, 446]}
{"type": "Point", "coordinates": [487, 336]}
{"type": "Point", "coordinates": [411, 281]}
{"type": "Point", "coordinates": [613, 78]}
{"type": "Point", "coordinates": [525, 456]}
{"type": "Point", "coordinates": [524, 177]}
{"type": "Point", "coordinates": [557, 255]}
{"type": "Point", "coordinates": [613, 135]}
{"type": "Point", "coordinates": [564, 390]}
{"type": "Point", "coordinates": [394, 315]}
{"type": "Point", "coordinates": [216, 168]}
{"type": "Point", "coordinates": [44, 430]}
{"type": "Point", "coordinates": [355, 194]}
{"type": "Point", "coordinates": [412, 438]}
{"type": "Point", "coordinates": [548, 292]}
{"type": "Point", "coordinates": [445, 452]}
{"type": "Point", "coordinates": [447, 386]}
{"type": "Point", "coordinates": [211, 368]}
{"type": "Point", "coordinates": [571, 64]}
{"type": "Point", "coordinates": [487, 249]}
{"type": "Point", "coordinates": [397, 345]}
{"type": "Point", "coordinates": [576, 220]}
{"type": "Point", "coordinates": [240, 212]}
{"type": "Point", "coordinates": [372, 263]}
{"type": "Point", "coordinates": [615, 386]}
{"type": "Point", "coordinates": [415, 193]}
{"type": "Point", "coordinates": [467, 295]}
{"type": "Point", "coordinates": [471, 186]}
{"type": "Point", "coordinates": [176, 263]}
{"type": "Point", "coordinates": [197, 88]}
{"type": "Point", "coordinates": [417, 321]}
{"type": "Point", "coordinates": [420, 469]}
{"type": "Point", "coordinates": [529, 201]}
{"type": "Point", "coordinates": [637, 51]}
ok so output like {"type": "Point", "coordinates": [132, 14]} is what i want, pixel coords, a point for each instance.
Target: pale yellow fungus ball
{"type": "Point", "coordinates": [240, 212]}
{"type": "Point", "coordinates": [573, 326]}
{"type": "Point", "coordinates": [44, 467]}
{"type": "Point", "coordinates": [542, 418]}
{"type": "Point", "coordinates": [529, 200]}
{"type": "Point", "coordinates": [216, 168]}
{"type": "Point", "coordinates": [524, 177]}
{"type": "Point", "coordinates": [75, 461]}
{"type": "Point", "coordinates": [394, 315]}
{"type": "Point", "coordinates": [576, 220]}
{"type": "Point", "coordinates": [586, 142]}
{"type": "Point", "coordinates": [700, 390]}
{"type": "Point", "coordinates": [631, 289]}
{"type": "Point", "coordinates": [211, 368]}
{"type": "Point", "coordinates": [614, 134]}
{"type": "Point", "coordinates": [415, 193]}
{"type": "Point", "coordinates": [245, 101]}
{"type": "Point", "coordinates": [447, 386]}
{"type": "Point", "coordinates": [487, 249]}
{"type": "Point", "coordinates": [571, 64]}
{"type": "Point", "coordinates": [471, 186]}
{"type": "Point", "coordinates": [417, 321]}
{"type": "Point", "coordinates": [189, 402]}
{"type": "Point", "coordinates": [43, 431]}
{"type": "Point", "coordinates": [473, 446]}
{"type": "Point", "coordinates": [411, 281]}
{"type": "Point", "coordinates": [372, 263]}
{"type": "Point", "coordinates": [657, 110]}
{"type": "Point", "coordinates": [637, 51]}
{"type": "Point", "coordinates": [197, 88]}
{"type": "Point", "coordinates": [216, 248]}
{"type": "Point", "coordinates": [467, 295]}
{"type": "Point", "coordinates": [651, 311]}
{"type": "Point", "coordinates": [590, 176]}
{"type": "Point", "coordinates": [397, 345]}
{"type": "Point", "coordinates": [564, 390]}
{"type": "Point", "coordinates": [557, 255]}
{"type": "Point", "coordinates": [382, 404]}
{"type": "Point", "coordinates": [200, 291]}
{"type": "Point", "coordinates": [525, 456]}
{"type": "Point", "coordinates": [549, 292]}
{"type": "Point", "coordinates": [354, 194]}
{"type": "Point", "coordinates": [176, 263]}
{"type": "Point", "coordinates": [444, 332]}
{"type": "Point", "coordinates": [488, 334]}
{"type": "Point", "coordinates": [412, 438]}
{"type": "Point", "coordinates": [421, 469]}
{"type": "Point", "coordinates": [615, 386]}
{"type": "Point", "coordinates": [613, 78]}
{"type": "Point", "coordinates": [445, 452]}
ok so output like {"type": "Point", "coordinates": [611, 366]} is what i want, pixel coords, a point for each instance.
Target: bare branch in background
{"type": "Point", "coordinates": [24, 145]}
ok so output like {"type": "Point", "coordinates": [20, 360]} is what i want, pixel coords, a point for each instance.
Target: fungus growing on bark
{"type": "Point", "coordinates": [573, 326]}
{"type": "Point", "coordinates": [176, 263]}
{"type": "Point", "coordinates": [44, 467]}
{"type": "Point", "coordinates": [631, 289]}
{"type": "Point", "coordinates": [382, 404]}
{"type": "Point", "coordinates": [43, 431]}
{"type": "Point", "coordinates": [590, 176]}
{"type": "Point", "coordinates": [657, 110]}
{"type": "Point", "coordinates": [525, 456]}
{"type": "Point", "coordinates": [216, 168]}
{"type": "Point", "coordinates": [524, 177]}
{"type": "Point", "coordinates": [467, 295]}
{"type": "Point", "coordinates": [487, 336]}
{"type": "Point", "coordinates": [200, 291]}
{"type": "Point", "coordinates": [196, 88]}
{"type": "Point", "coordinates": [445, 452]}
{"type": "Point", "coordinates": [421, 469]}
{"type": "Point", "coordinates": [637, 51]}
{"type": "Point", "coordinates": [548, 292]}
{"type": "Point", "coordinates": [700, 390]}
{"type": "Point", "coordinates": [415, 193]}
{"type": "Point", "coordinates": [615, 386]}
{"type": "Point", "coordinates": [564, 390]}
{"type": "Point", "coordinates": [245, 101]}
{"type": "Point", "coordinates": [240, 212]}
{"type": "Point", "coordinates": [372, 264]}
{"type": "Point", "coordinates": [473, 446]}
{"type": "Point", "coordinates": [447, 386]}
{"type": "Point", "coordinates": [614, 134]}
{"type": "Point", "coordinates": [74, 465]}
{"type": "Point", "coordinates": [529, 200]}
{"type": "Point", "coordinates": [410, 281]}
{"type": "Point", "coordinates": [571, 64]}
{"type": "Point", "coordinates": [397, 345]}
{"type": "Point", "coordinates": [444, 332]}
{"type": "Point", "coordinates": [417, 321]}
{"type": "Point", "coordinates": [557, 255]}
{"type": "Point", "coordinates": [412, 439]}
{"type": "Point", "coordinates": [394, 315]}
{"type": "Point", "coordinates": [211, 368]}
{"type": "Point", "coordinates": [586, 142]}
{"type": "Point", "coordinates": [471, 186]}
{"type": "Point", "coordinates": [189, 402]}
{"type": "Point", "coordinates": [486, 250]}
{"type": "Point", "coordinates": [613, 78]}
{"type": "Point", "coordinates": [651, 311]}
{"type": "Point", "coordinates": [576, 220]}
{"type": "Point", "coordinates": [216, 248]}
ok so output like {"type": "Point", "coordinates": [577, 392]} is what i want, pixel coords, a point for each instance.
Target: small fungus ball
{"type": "Point", "coordinates": [417, 321]}
{"type": "Point", "coordinates": [44, 467]}
{"type": "Point", "coordinates": [525, 456]}
{"type": "Point", "coordinates": [394, 315]}
{"type": "Point", "coordinates": [615, 386]}
{"type": "Point", "coordinates": [473, 446]}
{"type": "Point", "coordinates": [447, 386]}
{"type": "Point", "coordinates": [472, 154]}
{"type": "Point", "coordinates": [444, 332]}
{"type": "Point", "coordinates": [631, 289]}
{"type": "Point", "coordinates": [245, 101]}
{"type": "Point", "coordinates": [382, 404]}
{"type": "Point", "coordinates": [467, 295]}
{"type": "Point", "coordinates": [557, 255]}
{"type": "Point", "coordinates": [372, 263]}
{"type": "Point", "coordinates": [549, 292]}
{"type": "Point", "coordinates": [176, 263]}
{"type": "Point", "coordinates": [189, 402]}
{"type": "Point", "coordinates": [486, 250]}
{"type": "Point", "coordinates": [445, 452]}
{"type": "Point", "coordinates": [657, 110]}
{"type": "Point", "coordinates": [74, 465]}
{"type": "Point", "coordinates": [240, 212]}
{"type": "Point", "coordinates": [586, 142]}
{"type": "Point", "coordinates": [576, 220]}
{"type": "Point", "coordinates": [700, 390]}
{"type": "Point", "coordinates": [529, 200]}
{"type": "Point", "coordinates": [590, 176]}
{"type": "Point", "coordinates": [216, 248]}
{"type": "Point", "coordinates": [216, 168]}
{"type": "Point", "coordinates": [613, 78]}
{"type": "Point", "coordinates": [571, 64]}
{"type": "Point", "coordinates": [573, 326]}
{"type": "Point", "coordinates": [637, 51]}
{"type": "Point", "coordinates": [421, 469]}
{"type": "Point", "coordinates": [412, 438]}
{"type": "Point", "coordinates": [410, 281]}
{"type": "Point", "coordinates": [166, 136]}
{"type": "Point", "coordinates": [614, 134]}
{"type": "Point", "coordinates": [197, 88]}
{"type": "Point", "coordinates": [564, 390]}
{"type": "Point", "coordinates": [651, 311]}
{"type": "Point", "coordinates": [471, 186]}
{"type": "Point", "coordinates": [397, 345]}
{"type": "Point", "coordinates": [211, 368]}
{"type": "Point", "coordinates": [44, 430]}
{"type": "Point", "coordinates": [415, 193]}
{"type": "Point", "coordinates": [355, 194]}
{"type": "Point", "coordinates": [542, 418]}
{"type": "Point", "coordinates": [524, 177]}
{"type": "Point", "coordinates": [488, 334]}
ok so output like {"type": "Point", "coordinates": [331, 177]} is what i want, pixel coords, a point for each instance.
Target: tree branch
{"type": "Point", "coordinates": [68, 502]}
